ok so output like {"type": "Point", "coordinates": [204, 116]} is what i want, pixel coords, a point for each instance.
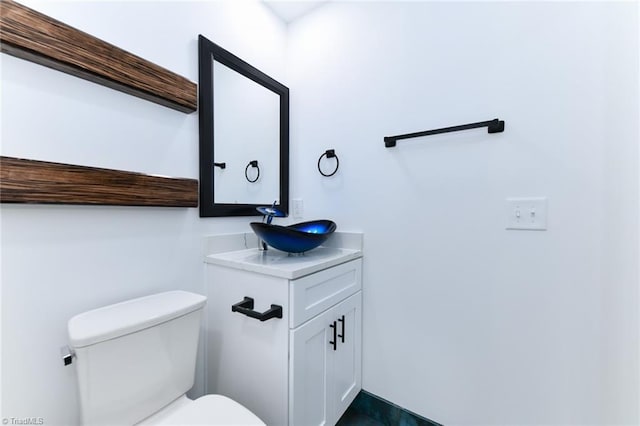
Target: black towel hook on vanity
{"type": "Point", "coordinates": [246, 308]}
{"type": "Point", "coordinates": [493, 126]}
{"type": "Point", "coordinates": [330, 153]}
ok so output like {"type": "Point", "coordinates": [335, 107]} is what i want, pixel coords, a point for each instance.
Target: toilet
{"type": "Point", "coordinates": [136, 360]}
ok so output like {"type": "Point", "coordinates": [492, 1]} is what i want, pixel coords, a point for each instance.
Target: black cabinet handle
{"type": "Point", "coordinates": [246, 307]}
{"type": "Point", "coordinates": [341, 336]}
{"type": "Point", "coordinates": [335, 340]}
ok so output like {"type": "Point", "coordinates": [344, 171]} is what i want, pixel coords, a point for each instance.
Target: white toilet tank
{"type": "Point", "coordinates": [135, 357]}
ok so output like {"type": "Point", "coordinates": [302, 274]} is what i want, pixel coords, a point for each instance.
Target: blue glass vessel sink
{"type": "Point", "coordinates": [296, 238]}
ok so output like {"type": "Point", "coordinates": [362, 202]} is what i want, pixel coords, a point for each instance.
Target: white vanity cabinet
{"type": "Point", "coordinates": [303, 368]}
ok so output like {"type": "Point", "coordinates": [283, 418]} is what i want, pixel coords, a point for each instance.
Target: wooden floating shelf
{"type": "Point", "coordinates": [28, 34]}
{"type": "Point", "coordinates": [31, 181]}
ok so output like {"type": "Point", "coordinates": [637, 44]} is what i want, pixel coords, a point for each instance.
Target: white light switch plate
{"type": "Point", "coordinates": [527, 213]}
{"type": "Point", "coordinates": [297, 210]}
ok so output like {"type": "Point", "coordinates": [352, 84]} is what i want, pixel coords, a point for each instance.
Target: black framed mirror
{"type": "Point", "coordinates": [244, 135]}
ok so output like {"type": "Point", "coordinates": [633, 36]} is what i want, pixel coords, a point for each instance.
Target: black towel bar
{"type": "Point", "coordinates": [493, 126]}
{"type": "Point", "coordinates": [246, 307]}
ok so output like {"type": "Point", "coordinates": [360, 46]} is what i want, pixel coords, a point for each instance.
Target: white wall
{"type": "Point", "coordinates": [58, 261]}
{"type": "Point", "coordinates": [465, 322]}
{"type": "Point", "coordinates": [620, 253]}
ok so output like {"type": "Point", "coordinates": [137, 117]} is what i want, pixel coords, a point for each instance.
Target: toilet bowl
{"type": "Point", "coordinates": [135, 361]}
{"type": "Point", "coordinates": [206, 410]}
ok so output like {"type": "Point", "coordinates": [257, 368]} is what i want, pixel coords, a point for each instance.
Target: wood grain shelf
{"type": "Point", "coordinates": [31, 181]}
{"type": "Point", "coordinates": [31, 35]}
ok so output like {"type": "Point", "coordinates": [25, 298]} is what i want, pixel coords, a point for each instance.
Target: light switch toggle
{"type": "Point", "coordinates": [527, 213]}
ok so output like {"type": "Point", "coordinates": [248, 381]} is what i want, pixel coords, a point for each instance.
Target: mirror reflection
{"type": "Point", "coordinates": [247, 139]}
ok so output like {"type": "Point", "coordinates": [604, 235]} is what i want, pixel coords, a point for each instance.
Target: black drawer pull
{"type": "Point", "coordinates": [246, 307]}
{"type": "Point", "coordinates": [341, 336]}
{"type": "Point", "coordinates": [335, 340]}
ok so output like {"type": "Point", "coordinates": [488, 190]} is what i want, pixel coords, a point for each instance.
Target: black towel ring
{"type": "Point", "coordinates": [330, 153]}
{"type": "Point", "coordinates": [253, 163]}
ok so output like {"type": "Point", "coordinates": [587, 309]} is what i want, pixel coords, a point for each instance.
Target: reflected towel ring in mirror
{"type": "Point", "coordinates": [330, 153]}
{"type": "Point", "coordinates": [253, 163]}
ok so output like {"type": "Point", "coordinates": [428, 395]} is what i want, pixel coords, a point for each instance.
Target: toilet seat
{"type": "Point", "coordinates": [212, 410]}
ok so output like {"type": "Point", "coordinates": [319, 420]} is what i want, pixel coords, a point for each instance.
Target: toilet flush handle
{"type": "Point", "coordinates": [67, 354]}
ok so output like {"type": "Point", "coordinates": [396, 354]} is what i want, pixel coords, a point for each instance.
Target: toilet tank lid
{"type": "Point", "coordinates": [127, 317]}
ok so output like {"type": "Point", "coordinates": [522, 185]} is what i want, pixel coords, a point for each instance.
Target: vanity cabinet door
{"type": "Point", "coordinates": [347, 358]}
{"type": "Point", "coordinates": [309, 371]}
{"type": "Point", "coordinates": [325, 372]}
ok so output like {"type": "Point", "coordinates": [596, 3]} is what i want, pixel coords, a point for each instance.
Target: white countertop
{"type": "Point", "coordinates": [280, 264]}
{"type": "Point", "coordinates": [240, 251]}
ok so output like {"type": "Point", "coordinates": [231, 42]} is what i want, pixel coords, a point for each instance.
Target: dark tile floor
{"type": "Point", "coordinates": [370, 410]}
{"type": "Point", "coordinates": [356, 419]}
